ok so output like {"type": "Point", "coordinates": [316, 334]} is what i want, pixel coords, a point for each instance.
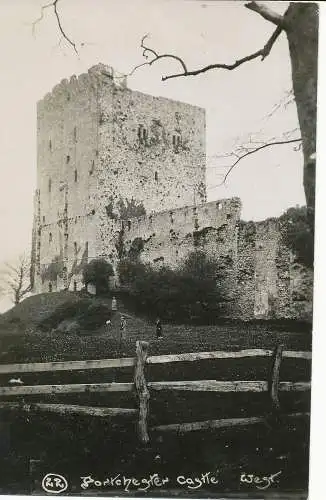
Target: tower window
{"type": "Point", "coordinates": [43, 218]}
{"type": "Point", "coordinates": [50, 145]}
{"type": "Point", "coordinates": [142, 134]}
{"type": "Point", "coordinates": [50, 185]}
{"type": "Point", "coordinates": [75, 286]}
{"type": "Point", "coordinates": [92, 168]}
{"type": "Point", "coordinates": [76, 175]}
{"type": "Point", "coordinates": [129, 225]}
{"type": "Point", "coordinates": [156, 176]}
{"type": "Point", "coordinates": [67, 159]}
{"type": "Point", "coordinates": [50, 287]}
{"type": "Point", "coordinates": [75, 134]}
{"type": "Point", "coordinates": [50, 238]}
{"type": "Point", "coordinates": [176, 140]}
{"type": "Point", "coordinates": [75, 247]}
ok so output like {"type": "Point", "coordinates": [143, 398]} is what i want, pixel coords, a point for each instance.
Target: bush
{"type": "Point", "coordinates": [88, 314]}
{"type": "Point", "coordinates": [98, 272]}
{"type": "Point", "coordinates": [191, 292]}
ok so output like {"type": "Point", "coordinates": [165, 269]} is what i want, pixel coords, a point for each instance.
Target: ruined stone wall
{"type": "Point", "coordinates": [270, 283]}
{"type": "Point", "coordinates": [261, 278]}
{"type": "Point", "coordinates": [168, 237]}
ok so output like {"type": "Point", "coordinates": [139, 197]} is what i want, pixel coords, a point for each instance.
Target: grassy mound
{"type": "Point", "coordinates": [33, 310]}
{"type": "Point", "coordinates": [87, 313]}
{"type": "Point", "coordinates": [62, 312]}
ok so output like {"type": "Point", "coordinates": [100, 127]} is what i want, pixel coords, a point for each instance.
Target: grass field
{"type": "Point", "coordinates": [83, 446]}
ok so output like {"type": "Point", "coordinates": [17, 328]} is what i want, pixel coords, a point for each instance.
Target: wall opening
{"type": "Point", "coordinates": [156, 176]}
{"type": "Point", "coordinates": [50, 287]}
{"type": "Point", "coordinates": [142, 134]}
{"type": "Point", "coordinates": [50, 237]}
{"type": "Point", "coordinates": [49, 185]}
{"type": "Point", "coordinates": [67, 159]}
{"type": "Point", "coordinates": [50, 145]}
{"type": "Point", "coordinates": [75, 286]}
{"type": "Point", "coordinates": [76, 175]}
{"type": "Point", "coordinates": [75, 134]}
{"type": "Point", "coordinates": [176, 140]}
{"type": "Point", "coordinates": [75, 247]}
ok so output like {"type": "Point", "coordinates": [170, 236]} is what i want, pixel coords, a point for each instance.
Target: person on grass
{"type": "Point", "coordinates": [159, 330]}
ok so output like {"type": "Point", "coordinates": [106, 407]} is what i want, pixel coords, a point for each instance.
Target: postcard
{"type": "Point", "coordinates": [157, 262]}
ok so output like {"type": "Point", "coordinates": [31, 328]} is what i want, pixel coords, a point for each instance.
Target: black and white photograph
{"type": "Point", "coordinates": [157, 218]}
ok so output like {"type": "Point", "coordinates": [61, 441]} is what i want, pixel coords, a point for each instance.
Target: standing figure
{"type": "Point", "coordinates": [123, 324]}
{"type": "Point", "coordinates": [114, 306]}
{"type": "Point", "coordinates": [159, 331]}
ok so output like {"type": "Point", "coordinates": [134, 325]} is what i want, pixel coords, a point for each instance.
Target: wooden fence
{"type": "Point", "coordinates": [144, 389]}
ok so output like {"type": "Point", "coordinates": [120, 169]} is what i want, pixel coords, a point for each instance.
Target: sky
{"type": "Point", "coordinates": [238, 103]}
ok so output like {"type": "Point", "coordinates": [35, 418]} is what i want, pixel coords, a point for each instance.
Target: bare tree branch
{"type": "Point", "coordinates": [54, 4]}
{"type": "Point", "coordinates": [147, 52]}
{"type": "Point", "coordinates": [253, 151]}
{"type": "Point", "coordinates": [15, 279]}
{"type": "Point", "coordinates": [266, 13]}
{"type": "Point", "coordinates": [39, 19]}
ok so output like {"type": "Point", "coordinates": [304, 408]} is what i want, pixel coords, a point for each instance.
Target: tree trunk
{"type": "Point", "coordinates": [301, 21]}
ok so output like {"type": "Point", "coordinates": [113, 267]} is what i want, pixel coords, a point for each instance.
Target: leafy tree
{"type": "Point", "coordinates": [98, 272]}
{"type": "Point", "coordinates": [296, 234]}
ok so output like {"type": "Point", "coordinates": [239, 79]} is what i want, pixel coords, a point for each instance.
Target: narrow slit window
{"type": "Point", "coordinates": [50, 238]}
{"type": "Point", "coordinates": [156, 176]}
{"type": "Point", "coordinates": [75, 247]}
{"type": "Point", "coordinates": [75, 286]}
{"type": "Point", "coordinates": [75, 134]}
{"type": "Point", "coordinates": [76, 175]}
{"type": "Point", "coordinates": [50, 287]}
{"type": "Point", "coordinates": [67, 159]}
{"type": "Point", "coordinates": [142, 134]}
{"type": "Point", "coordinates": [50, 185]}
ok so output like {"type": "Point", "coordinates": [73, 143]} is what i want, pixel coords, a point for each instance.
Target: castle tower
{"type": "Point", "coordinates": [105, 154]}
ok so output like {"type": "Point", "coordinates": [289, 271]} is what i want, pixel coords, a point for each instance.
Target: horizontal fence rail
{"type": "Point", "coordinates": [66, 389]}
{"type": "Point", "coordinates": [187, 385]}
{"type": "Point", "coordinates": [219, 424]}
{"type": "Point", "coordinates": [226, 386]}
{"type": "Point", "coordinates": [96, 364]}
{"type": "Point", "coordinates": [55, 366]}
{"type": "Point", "coordinates": [64, 409]}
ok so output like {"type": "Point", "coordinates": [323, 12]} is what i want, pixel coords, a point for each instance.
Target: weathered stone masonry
{"type": "Point", "coordinates": [117, 167]}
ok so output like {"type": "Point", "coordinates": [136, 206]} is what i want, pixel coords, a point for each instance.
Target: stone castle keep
{"type": "Point", "coordinates": [117, 167]}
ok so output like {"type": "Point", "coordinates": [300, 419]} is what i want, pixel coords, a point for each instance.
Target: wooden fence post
{"type": "Point", "coordinates": [142, 390]}
{"type": "Point", "coordinates": [275, 377]}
